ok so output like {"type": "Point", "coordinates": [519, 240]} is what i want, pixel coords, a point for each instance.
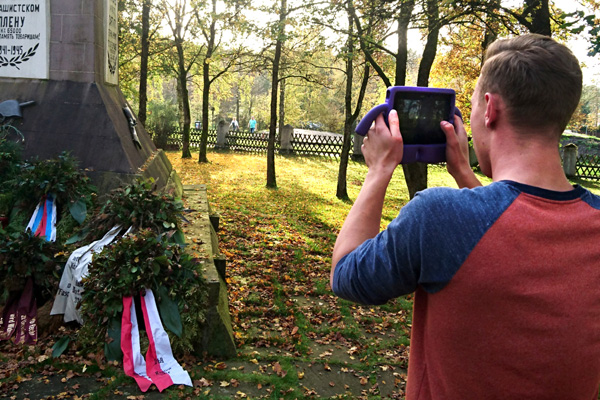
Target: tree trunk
{"type": "Point", "coordinates": [402, 54]}
{"type": "Point", "coordinates": [271, 178]}
{"type": "Point", "coordinates": [350, 117]}
{"type": "Point", "coordinates": [491, 27]}
{"type": "Point", "coordinates": [540, 17]}
{"type": "Point", "coordinates": [184, 101]}
{"type": "Point", "coordinates": [281, 107]}
{"type": "Point", "coordinates": [205, 100]}
{"type": "Point", "coordinates": [143, 93]}
{"type": "Point", "coordinates": [342, 186]}
{"type": "Point", "coordinates": [416, 173]}
{"type": "Point", "coordinates": [206, 82]}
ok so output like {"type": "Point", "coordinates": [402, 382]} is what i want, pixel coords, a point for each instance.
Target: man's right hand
{"type": "Point", "coordinates": [457, 154]}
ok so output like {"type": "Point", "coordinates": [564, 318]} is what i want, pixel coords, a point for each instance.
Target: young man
{"type": "Point", "coordinates": [507, 276]}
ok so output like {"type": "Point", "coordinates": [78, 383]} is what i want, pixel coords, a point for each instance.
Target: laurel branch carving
{"type": "Point", "coordinates": [20, 59]}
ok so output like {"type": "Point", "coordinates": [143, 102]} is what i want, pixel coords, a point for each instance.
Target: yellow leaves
{"type": "Point", "coordinates": [300, 374]}
{"type": "Point", "coordinates": [220, 366]}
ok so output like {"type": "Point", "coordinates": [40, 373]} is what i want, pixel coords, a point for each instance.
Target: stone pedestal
{"type": "Point", "coordinates": [570, 160]}
{"type": "Point", "coordinates": [357, 154]}
{"type": "Point", "coordinates": [287, 134]}
{"type": "Point", "coordinates": [221, 135]}
{"type": "Point", "coordinates": [79, 108]}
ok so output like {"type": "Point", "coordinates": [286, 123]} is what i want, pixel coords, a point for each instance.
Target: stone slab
{"type": "Point", "coordinates": [217, 338]}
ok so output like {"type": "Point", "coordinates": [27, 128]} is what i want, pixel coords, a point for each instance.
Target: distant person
{"type": "Point", "coordinates": [252, 124]}
{"type": "Point", "coordinates": [505, 276]}
{"type": "Point", "coordinates": [234, 126]}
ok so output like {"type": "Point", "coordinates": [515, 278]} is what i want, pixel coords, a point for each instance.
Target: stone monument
{"type": "Point", "coordinates": [63, 55]}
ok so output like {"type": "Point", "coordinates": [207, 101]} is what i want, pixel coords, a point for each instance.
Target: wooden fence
{"type": "Point", "coordinates": [588, 167]}
{"type": "Point", "coordinates": [303, 144]}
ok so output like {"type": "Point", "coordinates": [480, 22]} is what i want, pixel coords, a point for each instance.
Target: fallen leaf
{"type": "Point", "coordinates": [220, 365]}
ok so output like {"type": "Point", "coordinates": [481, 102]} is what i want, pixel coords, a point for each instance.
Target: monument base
{"type": "Point", "coordinates": [86, 119]}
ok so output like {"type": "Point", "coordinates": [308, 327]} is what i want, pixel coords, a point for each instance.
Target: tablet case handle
{"type": "Point", "coordinates": [365, 123]}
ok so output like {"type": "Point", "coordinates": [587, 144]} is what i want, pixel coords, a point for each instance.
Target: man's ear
{"type": "Point", "coordinates": [492, 104]}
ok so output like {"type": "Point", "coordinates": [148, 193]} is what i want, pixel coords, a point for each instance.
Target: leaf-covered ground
{"type": "Point", "coordinates": [295, 339]}
{"type": "Point", "coordinates": [278, 245]}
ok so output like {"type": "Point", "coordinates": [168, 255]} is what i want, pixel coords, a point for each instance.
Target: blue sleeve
{"type": "Point", "coordinates": [423, 246]}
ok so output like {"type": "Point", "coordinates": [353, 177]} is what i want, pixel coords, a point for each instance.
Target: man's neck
{"type": "Point", "coordinates": [531, 161]}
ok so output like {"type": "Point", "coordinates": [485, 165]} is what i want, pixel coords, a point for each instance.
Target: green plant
{"type": "Point", "coordinates": [60, 176]}
{"type": "Point", "coordinates": [139, 206]}
{"type": "Point", "coordinates": [133, 264]}
{"type": "Point", "coordinates": [10, 157]}
{"type": "Point", "coordinates": [23, 255]}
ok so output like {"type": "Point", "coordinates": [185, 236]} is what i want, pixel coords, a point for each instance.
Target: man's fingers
{"type": "Point", "coordinates": [459, 126]}
{"type": "Point", "coordinates": [449, 131]}
{"type": "Point", "coordinates": [394, 123]}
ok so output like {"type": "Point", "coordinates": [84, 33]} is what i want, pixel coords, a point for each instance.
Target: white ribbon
{"type": "Point", "coordinates": [70, 287]}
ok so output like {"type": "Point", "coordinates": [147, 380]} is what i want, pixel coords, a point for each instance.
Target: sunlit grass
{"type": "Point", "coordinates": [306, 186]}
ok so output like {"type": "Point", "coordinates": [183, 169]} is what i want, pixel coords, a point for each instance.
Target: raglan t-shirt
{"type": "Point", "coordinates": [507, 282]}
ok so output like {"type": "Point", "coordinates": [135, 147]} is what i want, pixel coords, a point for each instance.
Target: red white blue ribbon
{"type": "Point", "coordinates": [160, 366]}
{"type": "Point", "coordinates": [43, 220]}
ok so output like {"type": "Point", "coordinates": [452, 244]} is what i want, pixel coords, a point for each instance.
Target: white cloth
{"type": "Point", "coordinates": [70, 287]}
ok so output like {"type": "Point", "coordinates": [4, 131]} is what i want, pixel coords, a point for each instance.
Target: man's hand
{"type": "Point", "coordinates": [457, 154]}
{"type": "Point", "coordinates": [383, 147]}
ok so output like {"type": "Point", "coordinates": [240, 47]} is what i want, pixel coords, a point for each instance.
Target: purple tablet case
{"type": "Point", "coordinates": [426, 144]}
